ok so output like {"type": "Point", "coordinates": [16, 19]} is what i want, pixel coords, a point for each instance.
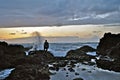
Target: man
{"type": "Point", "coordinates": [46, 46]}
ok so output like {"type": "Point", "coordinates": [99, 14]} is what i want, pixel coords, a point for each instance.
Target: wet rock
{"type": "Point", "coordinates": [58, 64]}
{"type": "Point", "coordinates": [78, 79]}
{"type": "Point", "coordinates": [77, 73]}
{"type": "Point", "coordinates": [72, 63]}
{"type": "Point", "coordinates": [90, 71]}
{"type": "Point", "coordinates": [31, 67]}
{"type": "Point", "coordinates": [29, 72]}
{"type": "Point", "coordinates": [109, 49]}
{"type": "Point", "coordinates": [44, 55]}
{"type": "Point", "coordinates": [9, 54]}
{"type": "Point", "coordinates": [64, 69]}
{"type": "Point", "coordinates": [109, 65]}
{"type": "Point", "coordinates": [89, 63]}
{"type": "Point", "coordinates": [71, 69]}
{"type": "Point", "coordinates": [80, 54]}
{"type": "Point", "coordinates": [107, 42]}
{"type": "Point", "coordinates": [52, 68]}
{"type": "Point", "coordinates": [67, 75]}
{"type": "Point", "coordinates": [83, 69]}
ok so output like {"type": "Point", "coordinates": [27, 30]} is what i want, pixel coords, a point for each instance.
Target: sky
{"type": "Point", "coordinates": [58, 20]}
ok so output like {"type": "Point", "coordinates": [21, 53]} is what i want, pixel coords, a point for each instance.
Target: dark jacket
{"type": "Point", "coordinates": [46, 45]}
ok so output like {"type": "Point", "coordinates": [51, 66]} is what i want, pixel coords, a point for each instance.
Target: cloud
{"type": "Point", "coordinates": [65, 12]}
{"type": "Point", "coordinates": [12, 33]}
{"type": "Point", "coordinates": [24, 33]}
{"type": "Point", "coordinates": [97, 31]}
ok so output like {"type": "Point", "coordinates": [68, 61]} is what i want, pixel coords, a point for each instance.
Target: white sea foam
{"type": "Point", "coordinates": [5, 73]}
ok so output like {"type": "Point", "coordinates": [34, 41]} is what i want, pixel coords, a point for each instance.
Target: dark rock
{"type": "Point", "coordinates": [107, 42]}
{"type": "Point", "coordinates": [78, 79]}
{"type": "Point", "coordinates": [83, 69]}
{"type": "Point", "coordinates": [9, 54]}
{"type": "Point", "coordinates": [29, 72]}
{"type": "Point", "coordinates": [86, 49]}
{"type": "Point", "coordinates": [66, 75]}
{"type": "Point", "coordinates": [44, 55]}
{"type": "Point", "coordinates": [60, 63]}
{"type": "Point", "coordinates": [80, 54]}
{"type": "Point", "coordinates": [52, 68]}
{"type": "Point", "coordinates": [5, 44]}
{"type": "Point", "coordinates": [109, 48]}
{"type": "Point", "coordinates": [114, 52]}
{"type": "Point", "coordinates": [90, 71]}
{"type": "Point", "coordinates": [31, 67]}
{"type": "Point", "coordinates": [77, 73]}
{"type": "Point", "coordinates": [71, 69]}
{"type": "Point", "coordinates": [89, 63]}
{"type": "Point", "coordinates": [72, 63]}
{"type": "Point", "coordinates": [64, 69]}
{"type": "Point", "coordinates": [109, 65]}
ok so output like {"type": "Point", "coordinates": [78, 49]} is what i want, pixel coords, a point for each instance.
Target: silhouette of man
{"type": "Point", "coordinates": [46, 46]}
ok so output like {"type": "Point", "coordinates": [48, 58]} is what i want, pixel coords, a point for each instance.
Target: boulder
{"type": "Point", "coordinates": [114, 52]}
{"type": "Point", "coordinates": [109, 65]}
{"type": "Point", "coordinates": [9, 54]}
{"type": "Point", "coordinates": [71, 69]}
{"type": "Point", "coordinates": [78, 79]}
{"type": "Point", "coordinates": [80, 53]}
{"type": "Point", "coordinates": [29, 72]}
{"type": "Point", "coordinates": [107, 42]}
{"type": "Point", "coordinates": [32, 67]}
{"type": "Point", "coordinates": [109, 49]}
{"type": "Point", "coordinates": [15, 50]}
{"type": "Point", "coordinates": [41, 54]}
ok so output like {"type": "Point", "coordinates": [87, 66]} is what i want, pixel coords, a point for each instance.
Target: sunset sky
{"type": "Point", "coordinates": [58, 20]}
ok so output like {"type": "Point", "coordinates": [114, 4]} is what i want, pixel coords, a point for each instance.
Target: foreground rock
{"type": "Point", "coordinates": [109, 50]}
{"type": "Point", "coordinates": [9, 54]}
{"type": "Point", "coordinates": [81, 53]}
{"type": "Point", "coordinates": [78, 79]}
{"type": "Point", "coordinates": [32, 67]}
{"type": "Point", "coordinates": [109, 65]}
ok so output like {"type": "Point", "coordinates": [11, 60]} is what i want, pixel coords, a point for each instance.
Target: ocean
{"type": "Point", "coordinates": [60, 49]}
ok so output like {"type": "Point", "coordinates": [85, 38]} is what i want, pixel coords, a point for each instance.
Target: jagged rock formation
{"type": "Point", "coordinates": [80, 53]}
{"type": "Point", "coordinates": [9, 53]}
{"type": "Point", "coordinates": [107, 42]}
{"type": "Point", "coordinates": [109, 49]}
{"type": "Point", "coordinates": [32, 67]}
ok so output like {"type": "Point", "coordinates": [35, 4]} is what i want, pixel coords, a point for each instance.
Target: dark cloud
{"type": "Point", "coordinates": [12, 33]}
{"type": "Point", "coordinates": [24, 33]}
{"type": "Point", "coordinates": [55, 12]}
{"type": "Point", "coordinates": [97, 31]}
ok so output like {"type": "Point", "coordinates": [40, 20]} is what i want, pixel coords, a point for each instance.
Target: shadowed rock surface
{"type": "Point", "coordinates": [81, 53]}
{"type": "Point", "coordinates": [32, 67]}
{"type": "Point", "coordinates": [9, 54]}
{"type": "Point", "coordinates": [109, 49]}
{"type": "Point", "coordinates": [107, 42]}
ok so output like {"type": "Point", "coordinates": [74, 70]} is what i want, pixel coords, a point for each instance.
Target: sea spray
{"type": "Point", "coordinates": [37, 40]}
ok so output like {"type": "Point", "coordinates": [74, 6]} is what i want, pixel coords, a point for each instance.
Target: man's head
{"type": "Point", "coordinates": [45, 40]}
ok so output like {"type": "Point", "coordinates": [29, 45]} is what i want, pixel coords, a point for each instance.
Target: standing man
{"type": "Point", "coordinates": [46, 46]}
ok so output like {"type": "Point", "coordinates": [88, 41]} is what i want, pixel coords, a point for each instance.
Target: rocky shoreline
{"type": "Point", "coordinates": [35, 66]}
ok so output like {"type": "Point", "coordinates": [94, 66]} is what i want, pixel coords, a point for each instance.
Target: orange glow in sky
{"type": "Point", "coordinates": [81, 31]}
